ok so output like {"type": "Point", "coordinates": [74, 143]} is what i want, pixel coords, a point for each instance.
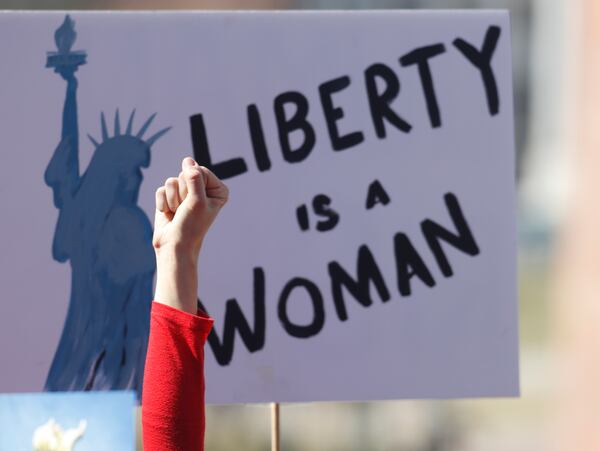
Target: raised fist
{"type": "Point", "coordinates": [186, 206]}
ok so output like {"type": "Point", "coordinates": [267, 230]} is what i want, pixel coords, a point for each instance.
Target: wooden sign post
{"type": "Point", "coordinates": [275, 437]}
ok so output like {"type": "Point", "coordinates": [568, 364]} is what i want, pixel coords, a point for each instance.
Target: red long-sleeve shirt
{"type": "Point", "coordinates": [173, 391]}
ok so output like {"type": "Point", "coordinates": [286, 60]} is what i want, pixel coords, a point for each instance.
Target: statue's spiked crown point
{"type": "Point", "coordinates": [128, 132]}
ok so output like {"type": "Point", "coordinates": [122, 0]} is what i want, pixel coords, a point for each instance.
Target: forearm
{"type": "Point", "coordinates": [177, 279]}
{"type": "Point", "coordinates": [173, 394]}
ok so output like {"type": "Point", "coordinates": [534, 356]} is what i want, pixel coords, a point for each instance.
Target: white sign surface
{"type": "Point", "coordinates": [368, 250]}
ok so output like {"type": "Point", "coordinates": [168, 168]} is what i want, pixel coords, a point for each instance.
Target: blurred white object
{"type": "Point", "coordinates": [51, 437]}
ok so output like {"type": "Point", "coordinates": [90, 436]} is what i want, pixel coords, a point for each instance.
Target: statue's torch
{"type": "Point", "coordinates": [65, 61]}
{"type": "Point", "coordinates": [62, 173]}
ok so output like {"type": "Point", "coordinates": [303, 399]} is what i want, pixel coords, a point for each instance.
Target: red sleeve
{"type": "Point", "coordinates": [173, 390]}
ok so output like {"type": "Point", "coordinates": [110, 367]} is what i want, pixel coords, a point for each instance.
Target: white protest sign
{"type": "Point", "coordinates": [368, 250]}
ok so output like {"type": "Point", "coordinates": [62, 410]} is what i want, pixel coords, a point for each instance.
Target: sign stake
{"type": "Point", "coordinates": [275, 439]}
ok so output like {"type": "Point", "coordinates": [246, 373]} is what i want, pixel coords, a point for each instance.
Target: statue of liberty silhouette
{"type": "Point", "coordinates": [107, 238]}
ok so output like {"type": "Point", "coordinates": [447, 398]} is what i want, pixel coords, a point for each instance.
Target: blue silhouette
{"type": "Point", "coordinates": [107, 238]}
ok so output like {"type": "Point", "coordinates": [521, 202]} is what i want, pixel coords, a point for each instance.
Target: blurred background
{"type": "Point", "coordinates": [557, 102]}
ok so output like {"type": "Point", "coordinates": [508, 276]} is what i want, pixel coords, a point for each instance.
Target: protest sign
{"type": "Point", "coordinates": [368, 250]}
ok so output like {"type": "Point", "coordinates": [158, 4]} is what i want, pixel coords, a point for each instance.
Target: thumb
{"type": "Point", "coordinates": [194, 180]}
{"type": "Point", "coordinates": [215, 188]}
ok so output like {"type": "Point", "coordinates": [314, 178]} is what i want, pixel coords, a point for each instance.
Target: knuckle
{"type": "Point", "coordinates": [225, 194]}
{"type": "Point", "coordinates": [156, 243]}
{"type": "Point", "coordinates": [193, 175]}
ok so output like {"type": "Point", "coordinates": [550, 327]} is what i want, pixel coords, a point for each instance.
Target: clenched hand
{"type": "Point", "coordinates": [186, 206]}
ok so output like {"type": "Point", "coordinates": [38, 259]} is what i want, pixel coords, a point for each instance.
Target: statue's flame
{"type": "Point", "coordinates": [65, 35]}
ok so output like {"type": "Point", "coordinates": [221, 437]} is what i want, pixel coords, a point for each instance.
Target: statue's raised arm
{"type": "Point", "coordinates": [62, 173]}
